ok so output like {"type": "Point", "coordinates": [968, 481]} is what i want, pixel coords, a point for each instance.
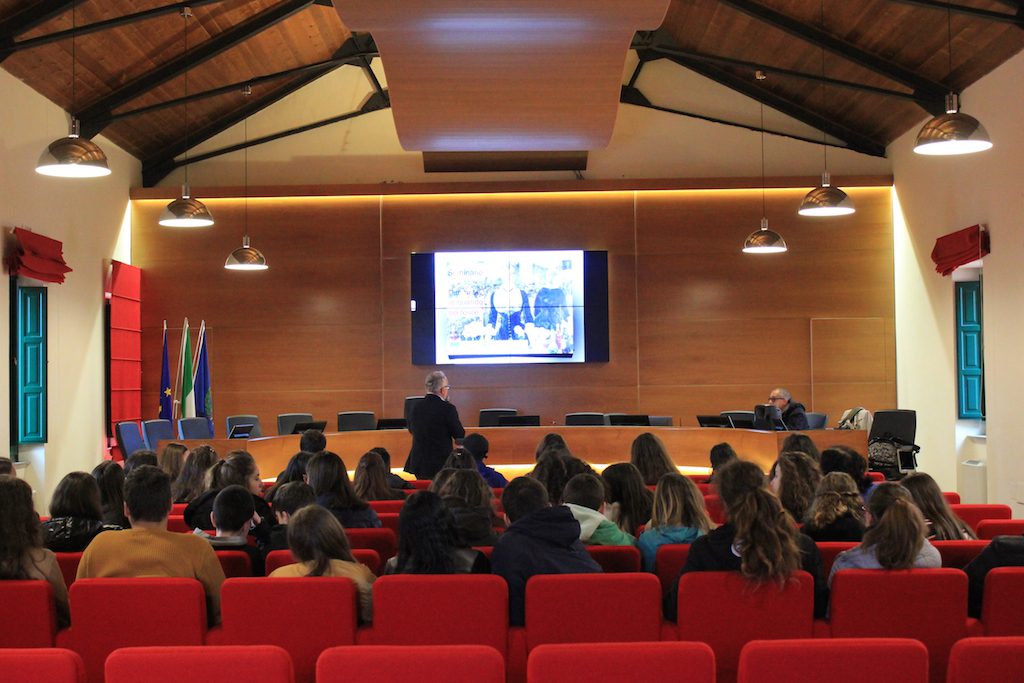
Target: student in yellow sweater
{"type": "Point", "coordinates": [148, 548]}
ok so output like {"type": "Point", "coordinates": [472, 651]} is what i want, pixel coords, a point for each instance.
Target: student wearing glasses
{"type": "Point", "coordinates": [793, 413]}
{"type": "Point", "coordinates": [434, 422]}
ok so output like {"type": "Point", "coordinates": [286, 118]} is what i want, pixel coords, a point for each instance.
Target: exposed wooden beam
{"type": "Point", "coordinates": [96, 116]}
{"type": "Point", "coordinates": [1016, 19]}
{"type": "Point", "coordinates": [32, 16]}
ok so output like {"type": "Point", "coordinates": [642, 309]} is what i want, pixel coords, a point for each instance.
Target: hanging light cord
{"type": "Point", "coordinates": [185, 12]}
{"type": "Point", "coordinates": [764, 200]}
{"type": "Point", "coordinates": [821, 87]}
{"type": "Point", "coordinates": [245, 175]}
{"type": "Point", "coordinates": [74, 57]}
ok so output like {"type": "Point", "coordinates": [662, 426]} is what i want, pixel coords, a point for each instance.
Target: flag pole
{"type": "Point", "coordinates": [177, 373]}
{"type": "Point", "coordinates": [199, 346]}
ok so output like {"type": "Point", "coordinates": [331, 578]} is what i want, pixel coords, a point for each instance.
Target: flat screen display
{"type": "Point", "coordinates": [506, 307]}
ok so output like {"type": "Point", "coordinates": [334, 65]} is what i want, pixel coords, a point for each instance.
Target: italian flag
{"type": "Point", "coordinates": [188, 396]}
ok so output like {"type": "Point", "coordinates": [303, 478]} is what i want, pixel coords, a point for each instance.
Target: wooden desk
{"type": "Point", "coordinates": [688, 446]}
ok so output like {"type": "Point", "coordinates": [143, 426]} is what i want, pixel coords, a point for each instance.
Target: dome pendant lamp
{"type": "Point", "coordinates": [764, 241]}
{"type": "Point", "coordinates": [246, 257]}
{"type": "Point", "coordinates": [73, 156]}
{"type": "Point", "coordinates": [186, 211]}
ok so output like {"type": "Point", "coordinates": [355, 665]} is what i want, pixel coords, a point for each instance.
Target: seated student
{"type": "Point", "coordinates": [22, 556]}
{"type": "Point", "coordinates": [440, 479]}
{"type": "Point", "coordinates": [394, 481]}
{"type": "Point", "coordinates": [943, 524]}
{"type": "Point", "coordinates": [678, 516]}
{"type": "Point", "coordinates": [584, 496]}
{"type": "Point", "coordinates": [139, 458]}
{"type": "Point", "coordinates": [172, 459]}
{"type": "Point", "coordinates": [549, 441]}
{"type": "Point", "coordinates": [148, 548]}
{"type": "Point", "coordinates": [427, 542]}
{"type": "Point", "coordinates": [371, 482]}
{"type": "Point", "coordinates": [630, 500]}
{"type": "Point", "coordinates": [328, 478]}
{"type": "Point", "coordinates": [312, 441]}
{"type": "Point", "coordinates": [1002, 551]}
{"type": "Point", "coordinates": [233, 516]}
{"type": "Point", "coordinates": [650, 456]}
{"type": "Point", "coordinates": [895, 538]}
{"type": "Point", "coordinates": [318, 541]}
{"type": "Point", "coordinates": [75, 514]}
{"type": "Point", "coordinates": [295, 470]}
{"type": "Point", "coordinates": [471, 503]}
{"type": "Point", "coordinates": [845, 459]}
{"type": "Point", "coordinates": [540, 539]}
{"type": "Point", "coordinates": [459, 459]}
{"type": "Point", "coordinates": [191, 481]}
{"type": "Point", "coordinates": [837, 511]}
{"type": "Point", "coordinates": [721, 455]}
{"type": "Point", "coordinates": [110, 478]}
{"type": "Point", "coordinates": [793, 478]}
{"type": "Point", "coordinates": [550, 471]}
{"type": "Point", "coordinates": [7, 468]}
{"type": "Point", "coordinates": [758, 540]}
{"type": "Point", "coordinates": [240, 469]}
{"type": "Point", "coordinates": [803, 444]}
{"type": "Point", "coordinates": [478, 445]}
{"type": "Point", "coordinates": [290, 498]}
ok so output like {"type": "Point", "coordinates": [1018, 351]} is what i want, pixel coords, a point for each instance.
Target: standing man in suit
{"type": "Point", "coordinates": [434, 422]}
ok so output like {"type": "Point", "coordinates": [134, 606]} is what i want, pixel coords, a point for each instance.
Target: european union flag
{"type": "Point", "coordinates": [166, 395]}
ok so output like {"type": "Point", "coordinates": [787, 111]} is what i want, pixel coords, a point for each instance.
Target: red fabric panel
{"type": "Point", "coordinates": [382, 540]}
{"type": "Point", "coordinates": [127, 315]}
{"type": "Point", "coordinates": [990, 528]}
{"type": "Point", "coordinates": [38, 257]}
{"type": "Point", "coordinates": [973, 513]}
{"type": "Point", "coordinates": [879, 660]}
{"type": "Point", "coordinates": [669, 562]}
{"type": "Point", "coordinates": [405, 663]}
{"type": "Point", "coordinates": [125, 330]}
{"type": "Point", "coordinates": [612, 558]}
{"type": "Point", "coordinates": [615, 662]}
{"type": "Point", "coordinates": [1001, 607]}
{"type": "Point", "coordinates": [34, 665]}
{"type": "Point", "coordinates": [69, 566]}
{"type": "Point", "coordinates": [42, 265]}
{"type": "Point", "coordinates": [308, 615]}
{"type": "Point", "coordinates": [27, 614]}
{"type": "Point", "coordinates": [984, 660]}
{"type": "Point", "coordinates": [203, 664]}
{"type": "Point", "coordinates": [40, 245]}
{"type": "Point", "coordinates": [957, 248]}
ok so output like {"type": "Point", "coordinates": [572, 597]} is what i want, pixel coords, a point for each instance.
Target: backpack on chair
{"type": "Point", "coordinates": [856, 418]}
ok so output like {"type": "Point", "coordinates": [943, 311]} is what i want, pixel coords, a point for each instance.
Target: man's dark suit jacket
{"type": "Point", "coordinates": [433, 422]}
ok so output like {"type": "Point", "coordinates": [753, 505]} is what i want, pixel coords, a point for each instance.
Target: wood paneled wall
{"type": "Point", "coordinates": [696, 325]}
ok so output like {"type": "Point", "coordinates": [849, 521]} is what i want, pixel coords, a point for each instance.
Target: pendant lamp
{"type": "Point", "coordinates": [186, 211]}
{"type": "Point", "coordinates": [246, 257]}
{"type": "Point", "coordinates": [825, 200]}
{"type": "Point", "coordinates": [764, 241]}
{"type": "Point", "coordinates": [73, 156]}
{"type": "Point", "coordinates": [952, 133]}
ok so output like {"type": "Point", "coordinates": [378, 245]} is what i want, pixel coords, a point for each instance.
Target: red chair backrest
{"type": "Point", "coordinates": [282, 558]}
{"type": "Point", "coordinates": [421, 484]}
{"type": "Point", "coordinates": [202, 664]}
{"type": "Point", "coordinates": [387, 505]}
{"type": "Point", "coordinates": [110, 613]}
{"type": "Point", "coordinates": [592, 608]}
{"type": "Point", "coordinates": [404, 663]}
{"type": "Point", "coordinates": [929, 605]}
{"type": "Point", "coordinates": [485, 549]}
{"type": "Point", "coordinates": [879, 660]}
{"type": "Point", "coordinates": [69, 566]}
{"type": "Point", "coordinates": [669, 562]}
{"type": "Point", "coordinates": [974, 513]}
{"type": "Point", "coordinates": [27, 614]}
{"type": "Point", "coordinates": [956, 554]}
{"type": "Point", "coordinates": [440, 609]}
{"type": "Point", "coordinates": [615, 662]}
{"type": "Point", "coordinates": [389, 520]}
{"type": "Point", "coordinates": [952, 497]}
{"type": "Point", "coordinates": [178, 508]}
{"type": "Point", "coordinates": [235, 563]}
{"type": "Point", "coordinates": [177, 524]}
{"type": "Point", "coordinates": [876, 477]}
{"type": "Point", "coordinates": [829, 550]}
{"type": "Point", "coordinates": [616, 558]}
{"type": "Point", "coordinates": [990, 528]}
{"type": "Point", "coordinates": [36, 665]}
{"type": "Point", "coordinates": [1001, 605]}
{"type": "Point", "coordinates": [716, 510]}
{"type": "Point", "coordinates": [307, 616]}
{"type": "Point", "coordinates": [984, 660]}
{"type": "Point", "coordinates": [727, 611]}
{"type": "Point", "coordinates": [384, 541]}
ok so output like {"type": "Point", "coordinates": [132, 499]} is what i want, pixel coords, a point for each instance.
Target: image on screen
{"type": "Point", "coordinates": [509, 307]}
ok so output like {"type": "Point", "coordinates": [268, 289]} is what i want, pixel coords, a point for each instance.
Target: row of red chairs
{"type": "Point", "coordinates": [312, 614]}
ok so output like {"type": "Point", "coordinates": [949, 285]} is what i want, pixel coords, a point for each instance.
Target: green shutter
{"type": "Point", "coordinates": [31, 364]}
{"type": "Point", "coordinates": [970, 371]}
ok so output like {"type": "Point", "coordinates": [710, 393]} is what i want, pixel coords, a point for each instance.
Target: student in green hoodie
{"type": "Point", "coordinates": [584, 495]}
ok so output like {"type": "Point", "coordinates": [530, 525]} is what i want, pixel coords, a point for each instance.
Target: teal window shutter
{"type": "Point", "coordinates": [970, 370]}
{"type": "Point", "coordinates": [31, 364]}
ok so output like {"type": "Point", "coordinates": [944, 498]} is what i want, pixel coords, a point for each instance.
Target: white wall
{"type": "Point", "coordinates": [90, 217]}
{"type": "Point", "coordinates": [937, 196]}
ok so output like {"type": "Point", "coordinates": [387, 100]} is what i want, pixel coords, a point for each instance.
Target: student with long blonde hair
{"type": "Point", "coordinates": [678, 516]}
{"type": "Point", "coordinates": [837, 512]}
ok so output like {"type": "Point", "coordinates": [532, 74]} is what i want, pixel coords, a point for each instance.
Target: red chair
{"type": "Point", "coordinates": [1001, 604]}
{"type": "Point", "coordinates": [404, 663]}
{"type": "Point", "coordinates": [389, 520]}
{"type": "Point", "coordinates": [110, 613]}
{"type": "Point", "coordinates": [879, 660]}
{"type": "Point", "coordinates": [37, 665]}
{"type": "Point", "coordinates": [876, 477]}
{"type": "Point", "coordinates": [449, 609]}
{"type": "Point", "coordinates": [615, 662]}
{"type": "Point", "coordinates": [592, 608]}
{"type": "Point", "coordinates": [27, 614]}
{"type": "Point", "coordinates": [929, 605]}
{"type": "Point", "coordinates": [308, 615]}
{"type": "Point", "coordinates": [706, 489]}
{"type": "Point", "coordinates": [974, 513]}
{"type": "Point", "coordinates": [956, 554]}
{"type": "Point", "coordinates": [202, 664]}
{"type": "Point", "coordinates": [69, 566]}
{"type": "Point", "coordinates": [616, 558]}
{"type": "Point", "coordinates": [420, 484]}
{"type": "Point", "coordinates": [178, 508]}
{"type": "Point", "coordinates": [380, 506]}
{"type": "Point", "coordinates": [384, 541]}
{"type": "Point", "coordinates": [235, 563]}
{"type": "Point", "coordinates": [952, 497]}
{"type": "Point", "coordinates": [990, 528]}
{"type": "Point", "coordinates": [716, 511]}
{"type": "Point", "coordinates": [829, 550]}
{"type": "Point", "coordinates": [984, 660]}
{"type": "Point", "coordinates": [727, 611]}
{"type": "Point", "coordinates": [668, 562]}
{"type": "Point", "coordinates": [177, 524]}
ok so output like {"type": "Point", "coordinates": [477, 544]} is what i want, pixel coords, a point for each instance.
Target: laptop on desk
{"type": "Point", "coordinates": [714, 421]}
{"type": "Point", "coordinates": [240, 431]}
{"type": "Point", "coordinates": [300, 427]}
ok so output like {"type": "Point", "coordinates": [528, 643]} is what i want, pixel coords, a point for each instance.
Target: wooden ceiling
{"type": "Point", "coordinates": [886, 61]}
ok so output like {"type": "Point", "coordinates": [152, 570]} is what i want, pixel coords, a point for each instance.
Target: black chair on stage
{"type": "Point", "coordinates": [817, 420]}
{"type": "Point", "coordinates": [491, 417]}
{"type": "Point", "coordinates": [238, 420]}
{"type": "Point", "coordinates": [410, 401]}
{"type": "Point", "coordinates": [585, 420]}
{"type": "Point", "coordinates": [286, 421]}
{"type": "Point", "coordinates": [357, 421]}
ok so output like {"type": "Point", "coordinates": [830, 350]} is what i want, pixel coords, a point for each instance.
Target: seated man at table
{"type": "Point", "coordinates": [148, 548]}
{"type": "Point", "coordinates": [793, 413]}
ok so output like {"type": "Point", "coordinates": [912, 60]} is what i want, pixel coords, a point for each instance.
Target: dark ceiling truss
{"type": "Point", "coordinates": [926, 89]}
{"type": "Point", "coordinates": [96, 116]}
{"type": "Point", "coordinates": [7, 48]}
{"type": "Point", "coordinates": [32, 16]}
{"type": "Point", "coordinates": [1016, 19]}
{"type": "Point", "coordinates": [358, 47]}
